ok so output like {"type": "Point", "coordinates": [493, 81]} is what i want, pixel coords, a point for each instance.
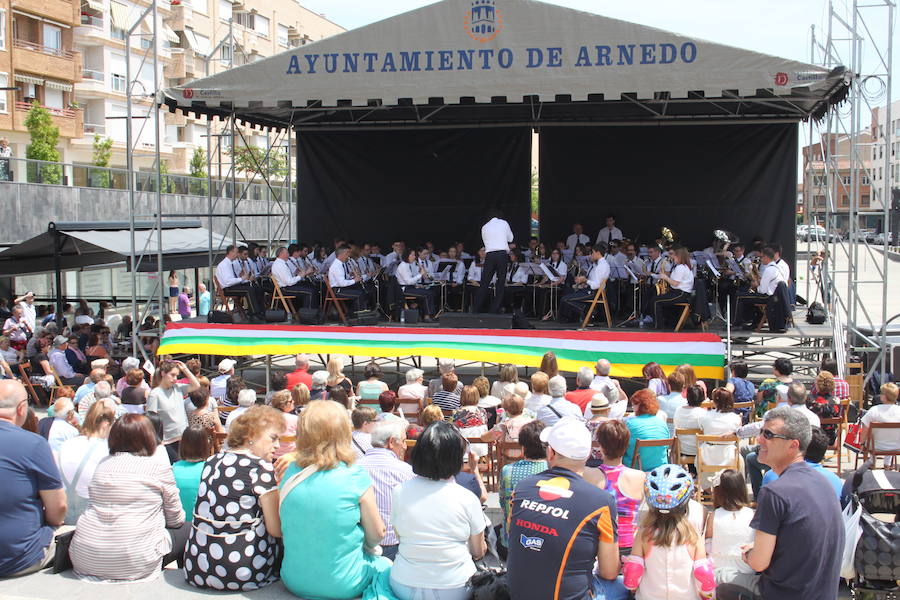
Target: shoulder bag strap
{"type": "Point", "coordinates": [71, 485]}
{"type": "Point", "coordinates": [294, 481]}
{"type": "Point", "coordinates": [555, 412]}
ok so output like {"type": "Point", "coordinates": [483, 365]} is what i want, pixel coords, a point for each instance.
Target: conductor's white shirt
{"type": "Point", "coordinates": [496, 235]}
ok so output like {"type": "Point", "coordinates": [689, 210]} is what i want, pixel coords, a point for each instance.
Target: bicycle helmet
{"type": "Point", "coordinates": [668, 487]}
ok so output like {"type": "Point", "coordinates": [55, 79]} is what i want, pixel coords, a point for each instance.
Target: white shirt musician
{"type": "Point", "coordinates": [412, 274]}
{"type": "Point", "coordinates": [681, 282]}
{"type": "Point", "coordinates": [577, 237]}
{"type": "Point", "coordinates": [342, 280]}
{"type": "Point", "coordinates": [765, 293]}
{"type": "Point", "coordinates": [235, 281]}
{"type": "Point", "coordinates": [610, 232]}
{"type": "Point", "coordinates": [573, 305]}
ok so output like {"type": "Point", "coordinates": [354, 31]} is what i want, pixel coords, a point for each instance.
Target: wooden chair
{"type": "Point", "coordinates": [410, 444]}
{"type": "Point", "coordinates": [219, 439]}
{"type": "Point", "coordinates": [636, 460]}
{"type": "Point", "coordinates": [684, 459]}
{"type": "Point", "coordinates": [765, 317]}
{"type": "Point", "coordinates": [685, 311]}
{"type": "Point", "coordinates": [411, 408]}
{"type": "Point", "coordinates": [59, 384]}
{"type": "Point", "coordinates": [749, 405]}
{"type": "Point", "coordinates": [278, 295]}
{"type": "Point", "coordinates": [707, 469]}
{"type": "Point", "coordinates": [507, 452]}
{"type": "Point", "coordinates": [869, 451]}
{"type": "Point", "coordinates": [26, 381]}
{"type": "Point", "coordinates": [838, 444]}
{"type": "Point", "coordinates": [448, 413]}
{"type": "Point", "coordinates": [855, 381]}
{"type": "Point", "coordinates": [487, 464]}
{"type": "Point", "coordinates": [220, 301]}
{"type": "Point", "coordinates": [333, 300]}
{"type": "Point", "coordinates": [599, 298]}
{"type": "Point", "coordinates": [224, 410]}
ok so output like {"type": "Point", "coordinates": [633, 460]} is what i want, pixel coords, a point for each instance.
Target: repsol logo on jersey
{"type": "Point", "coordinates": [537, 527]}
{"type": "Point", "coordinates": [545, 509]}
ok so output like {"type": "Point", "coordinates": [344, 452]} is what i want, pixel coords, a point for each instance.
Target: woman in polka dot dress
{"type": "Point", "coordinates": [232, 545]}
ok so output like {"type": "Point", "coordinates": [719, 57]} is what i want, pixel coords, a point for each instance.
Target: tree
{"type": "Point", "coordinates": [166, 182]}
{"type": "Point", "coordinates": [101, 157]}
{"type": "Point", "coordinates": [198, 172]}
{"type": "Point", "coordinates": [252, 160]}
{"type": "Point", "coordinates": [44, 137]}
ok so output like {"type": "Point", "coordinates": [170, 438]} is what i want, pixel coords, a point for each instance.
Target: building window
{"type": "Point", "coordinates": [2, 29]}
{"type": "Point", "coordinates": [225, 10]}
{"type": "Point", "coordinates": [282, 35]}
{"type": "Point", "coordinates": [864, 201]}
{"type": "Point", "coordinates": [865, 180]}
{"type": "Point", "coordinates": [4, 82]}
{"type": "Point", "coordinates": [818, 180]}
{"type": "Point", "coordinates": [117, 33]}
{"type": "Point", "coordinates": [845, 201]}
{"type": "Point", "coordinates": [119, 83]}
{"type": "Point", "coordinates": [200, 6]}
{"type": "Point", "coordinates": [261, 25]}
{"type": "Point", "coordinates": [845, 180]}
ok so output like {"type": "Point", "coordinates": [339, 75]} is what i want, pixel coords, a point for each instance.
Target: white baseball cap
{"type": "Point", "coordinates": [226, 364]}
{"type": "Point", "coordinates": [569, 437]}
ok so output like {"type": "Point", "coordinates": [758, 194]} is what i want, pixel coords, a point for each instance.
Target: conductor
{"type": "Point", "coordinates": [496, 236]}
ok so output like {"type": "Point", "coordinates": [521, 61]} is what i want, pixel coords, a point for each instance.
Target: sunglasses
{"type": "Point", "coordinates": [771, 435]}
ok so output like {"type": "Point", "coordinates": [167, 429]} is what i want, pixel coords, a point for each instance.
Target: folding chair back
{"type": "Point", "coordinates": [636, 460]}
{"type": "Point", "coordinates": [685, 459]}
{"type": "Point", "coordinates": [411, 408]}
{"type": "Point", "coordinates": [599, 298]}
{"type": "Point", "coordinates": [869, 450]}
{"type": "Point", "coordinates": [26, 381]}
{"type": "Point", "coordinates": [706, 469]}
{"type": "Point", "coordinates": [278, 295]}
{"type": "Point", "coordinates": [332, 300]}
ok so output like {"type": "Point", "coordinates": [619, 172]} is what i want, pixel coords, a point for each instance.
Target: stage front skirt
{"type": "Point", "coordinates": [627, 351]}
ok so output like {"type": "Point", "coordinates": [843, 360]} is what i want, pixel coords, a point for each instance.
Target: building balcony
{"type": "Point", "coordinates": [64, 11]}
{"type": "Point", "coordinates": [92, 84]}
{"type": "Point", "coordinates": [181, 15]}
{"type": "Point", "coordinates": [175, 68]}
{"type": "Point", "coordinates": [69, 120]}
{"type": "Point", "coordinates": [49, 62]}
{"type": "Point", "coordinates": [91, 31]}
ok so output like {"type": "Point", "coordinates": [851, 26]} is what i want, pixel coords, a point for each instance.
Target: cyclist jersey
{"type": "Point", "coordinates": [556, 523]}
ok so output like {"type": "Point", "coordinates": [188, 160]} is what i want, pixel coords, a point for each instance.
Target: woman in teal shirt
{"type": "Point", "coordinates": [330, 522]}
{"type": "Point", "coordinates": [646, 425]}
{"type": "Point", "coordinates": [193, 450]}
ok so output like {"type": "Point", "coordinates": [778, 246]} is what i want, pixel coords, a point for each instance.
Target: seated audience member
{"type": "Point", "coordinates": [193, 451]}
{"type": "Point", "coordinates": [448, 397]}
{"type": "Point", "coordinates": [646, 424]}
{"type": "Point", "coordinates": [218, 385]}
{"type": "Point", "coordinates": [338, 394]}
{"type": "Point", "coordinates": [300, 394]}
{"type": "Point", "coordinates": [533, 461]}
{"type": "Point", "coordinates": [657, 382]}
{"type": "Point", "coordinates": [334, 554]}
{"type": "Point", "coordinates": [728, 526]}
{"type": "Point", "coordinates": [430, 414]}
{"type": "Point", "coordinates": [300, 374]}
{"type": "Point", "coordinates": [336, 377]}
{"type": "Point", "coordinates": [372, 386]}
{"type": "Point", "coordinates": [721, 421]}
{"type": "Point", "coordinates": [549, 365]}
{"type": "Point", "coordinates": [96, 374]}
{"type": "Point", "coordinates": [485, 399]}
{"type": "Point", "coordinates": [32, 495]}
{"type": "Point", "coordinates": [102, 390]}
{"type": "Point", "coordinates": [200, 413]}
{"type": "Point", "coordinates": [824, 404]}
{"type": "Point", "coordinates": [75, 357]}
{"type": "Point", "coordinates": [246, 399]}
{"type": "Point", "coordinates": [232, 543]}
{"type": "Point", "coordinates": [78, 457]}
{"type": "Point", "coordinates": [558, 407]}
{"type": "Point", "coordinates": [317, 391]}
{"type": "Point", "coordinates": [8, 353]}
{"type": "Point", "coordinates": [690, 378]}
{"type": "Point", "coordinates": [445, 367]}
{"type": "Point", "coordinates": [599, 408]}
{"type": "Point", "coordinates": [581, 396]}
{"type": "Point", "coordinates": [283, 401]}
{"type": "Point", "coordinates": [57, 358]}
{"type": "Point", "coordinates": [389, 405]}
{"type": "Point", "coordinates": [560, 501]}
{"type": "Point", "coordinates": [508, 429]}
{"type": "Point", "coordinates": [814, 455]}
{"type": "Point", "coordinates": [440, 524]}
{"type": "Point", "coordinates": [414, 388]}
{"type": "Point", "coordinates": [766, 394]}
{"type": "Point", "coordinates": [133, 379]}
{"type": "Point", "coordinates": [743, 390]}
{"type": "Point", "coordinates": [689, 417]}
{"type": "Point", "coordinates": [363, 420]}
{"type": "Point", "coordinates": [166, 400]}
{"type": "Point", "coordinates": [668, 558]}
{"type": "Point", "coordinates": [508, 374]}
{"type": "Point", "coordinates": [384, 464]}
{"type": "Point", "coordinates": [148, 531]}
{"type": "Point", "coordinates": [470, 419]}
{"type": "Point", "coordinates": [841, 387]}
{"type": "Point", "coordinates": [672, 402]}
{"type": "Point", "coordinates": [65, 423]}
{"type": "Point", "coordinates": [540, 396]}
{"type": "Point", "coordinates": [799, 530]}
{"type": "Point", "coordinates": [624, 483]}
{"type": "Point", "coordinates": [886, 412]}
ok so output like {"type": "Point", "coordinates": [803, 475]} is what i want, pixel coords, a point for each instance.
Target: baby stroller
{"type": "Point", "coordinates": [877, 558]}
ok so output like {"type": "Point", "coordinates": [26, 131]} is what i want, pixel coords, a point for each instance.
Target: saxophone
{"type": "Point", "coordinates": [662, 286]}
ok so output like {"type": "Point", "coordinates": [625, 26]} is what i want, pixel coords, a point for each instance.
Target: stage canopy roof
{"type": "Point", "coordinates": [510, 61]}
{"type": "Point", "coordinates": [91, 244]}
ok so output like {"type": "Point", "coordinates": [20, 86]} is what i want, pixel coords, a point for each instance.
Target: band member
{"type": "Point", "coordinates": [497, 237]}
{"type": "Point", "coordinates": [656, 264]}
{"type": "Point", "coordinates": [618, 277]}
{"type": "Point", "coordinates": [236, 281]}
{"type": "Point", "coordinates": [461, 251]}
{"type": "Point", "coordinates": [290, 279]}
{"type": "Point", "coordinates": [573, 305]}
{"type": "Point", "coordinates": [411, 277]}
{"type": "Point", "coordinates": [343, 282]}
{"type": "Point", "coordinates": [454, 277]}
{"type": "Point", "coordinates": [516, 279]}
{"type": "Point", "coordinates": [394, 258]}
{"type": "Point", "coordinates": [610, 232]}
{"type": "Point", "coordinates": [764, 291]}
{"type": "Point", "coordinates": [545, 285]}
{"type": "Point", "coordinates": [681, 282]}
{"type": "Point", "coordinates": [263, 264]}
{"type": "Point", "coordinates": [530, 252]}
{"type": "Point", "coordinates": [577, 237]}
{"type": "Point", "coordinates": [360, 268]}
{"type": "Point", "coordinates": [473, 278]}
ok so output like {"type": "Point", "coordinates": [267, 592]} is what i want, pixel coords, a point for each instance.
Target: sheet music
{"type": "Point", "coordinates": [634, 278]}
{"type": "Point", "coordinates": [712, 268]}
{"type": "Point", "coordinates": [530, 268]}
{"type": "Point", "coordinates": [548, 271]}
{"type": "Point", "coordinates": [736, 267]}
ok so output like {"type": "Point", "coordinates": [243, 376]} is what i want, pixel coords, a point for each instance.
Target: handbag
{"type": "Point", "coordinates": [61, 560]}
{"type": "Point", "coordinates": [815, 315]}
{"type": "Point", "coordinates": [851, 439]}
{"type": "Point", "coordinates": [852, 533]}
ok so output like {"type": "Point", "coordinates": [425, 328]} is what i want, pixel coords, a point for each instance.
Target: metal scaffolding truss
{"type": "Point", "coordinates": [860, 36]}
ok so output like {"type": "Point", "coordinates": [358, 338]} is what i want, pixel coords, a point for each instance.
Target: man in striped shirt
{"type": "Point", "coordinates": [384, 463]}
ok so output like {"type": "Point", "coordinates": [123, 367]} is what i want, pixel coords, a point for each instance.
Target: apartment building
{"type": "Point", "coordinates": [887, 142]}
{"type": "Point", "coordinates": [39, 60]}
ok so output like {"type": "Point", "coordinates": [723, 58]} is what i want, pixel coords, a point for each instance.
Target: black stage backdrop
{"type": "Point", "coordinates": [415, 186]}
{"type": "Point", "coordinates": [691, 178]}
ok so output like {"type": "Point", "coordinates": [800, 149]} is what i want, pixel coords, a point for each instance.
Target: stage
{"type": "Point", "coordinates": [628, 350]}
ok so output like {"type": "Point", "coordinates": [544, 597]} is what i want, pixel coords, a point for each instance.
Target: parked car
{"type": "Point", "coordinates": [801, 231]}
{"type": "Point", "coordinates": [817, 233]}
{"type": "Point", "coordinates": [878, 239]}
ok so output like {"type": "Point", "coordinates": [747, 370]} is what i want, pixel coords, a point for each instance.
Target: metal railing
{"type": "Point", "coordinates": [92, 21]}
{"type": "Point", "coordinates": [93, 75]}
{"type": "Point", "coordinates": [70, 113]}
{"type": "Point", "coordinates": [34, 46]}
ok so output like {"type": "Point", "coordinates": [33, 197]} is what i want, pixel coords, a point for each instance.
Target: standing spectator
{"type": "Point", "coordinates": [440, 524]}
{"type": "Point", "coordinates": [29, 312]}
{"type": "Point", "coordinates": [332, 555]}
{"type": "Point", "coordinates": [583, 393]}
{"type": "Point", "coordinates": [283, 401]}
{"type": "Point", "coordinates": [16, 329]}
{"type": "Point", "coordinates": [448, 397]}
{"type": "Point", "coordinates": [32, 495]}
{"type": "Point", "coordinates": [646, 425]}
{"type": "Point", "coordinates": [384, 464]}
{"type": "Point", "coordinates": [147, 532]}
{"type": "Point", "coordinates": [166, 401]}
{"type": "Point", "coordinates": [6, 173]}
{"type": "Point", "coordinates": [558, 407]}
{"type": "Point", "coordinates": [203, 300]}
{"type": "Point", "coordinates": [799, 531]}
{"type": "Point", "coordinates": [173, 291]}
{"type": "Point", "coordinates": [625, 483]}
{"type": "Point", "coordinates": [300, 374]}
{"type": "Point", "coordinates": [886, 412]}
{"type": "Point", "coordinates": [414, 388]}
{"type": "Point", "coordinates": [193, 451]}
{"type": "Point", "coordinates": [184, 302]}
{"type": "Point", "coordinates": [533, 461]}
{"type": "Point", "coordinates": [218, 384]}
{"type": "Point", "coordinates": [363, 419]}
{"type": "Point", "coordinates": [560, 523]}
{"type": "Point", "coordinates": [246, 398]}
{"type": "Point", "coordinates": [446, 366]}
{"type": "Point", "coordinates": [65, 423]}
{"type": "Point", "coordinates": [78, 457]}
{"type": "Point", "coordinates": [656, 379]}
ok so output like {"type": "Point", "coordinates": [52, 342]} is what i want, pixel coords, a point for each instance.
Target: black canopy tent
{"type": "Point", "coordinates": [399, 123]}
